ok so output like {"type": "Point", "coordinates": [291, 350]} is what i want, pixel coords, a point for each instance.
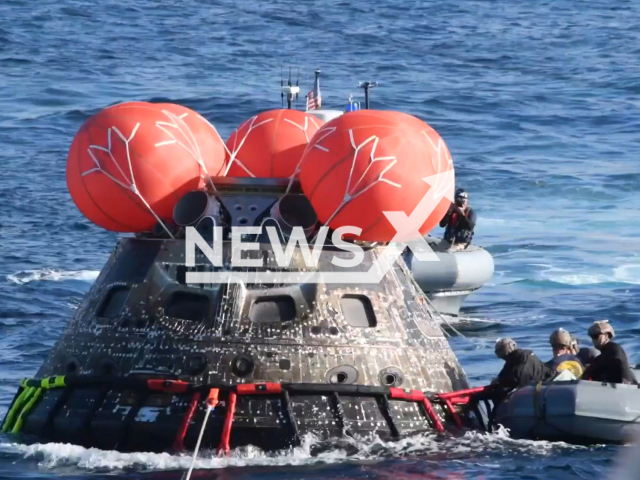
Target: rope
{"type": "Point", "coordinates": [439, 314]}
{"type": "Point", "coordinates": [212, 401]}
{"type": "Point", "coordinates": [195, 453]}
{"type": "Point", "coordinates": [414, 282]}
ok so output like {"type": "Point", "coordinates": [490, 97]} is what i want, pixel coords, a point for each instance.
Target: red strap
{"type": "Point", "coordinates": [228, 420]}
{"type": "Point", "coordinates": [432, 414]}
{"type": "Point", "coordinates": [401, 394]}
{"type": "Point", "coordinates": [212, 398]}
{"type": "Point", "coordinates": [463, 400]}
{"type": "Point", "coordinates": [258, 388]}
{"type": "Point", "coordinates": [459, 393]}
{"type": "Point", "coordinates": [452, 220]}
{"type": "Point", "coordinates": [178, 443]}
{"type": "Point", "coordinates": [454, 414]}
{"type": "Point", "coordinates": [172, 386]}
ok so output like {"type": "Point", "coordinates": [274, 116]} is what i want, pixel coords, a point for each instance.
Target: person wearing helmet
{"type": "Point", "coordinates": [611, 365]}
{"type": "Point", "coordinates": [458, 223]}
{"type": "Point", "coordinates": [584, 354]}
{"type": "Point", "coordinates": [521, 366]}
{"type": "Point", "coordinates": [563, 357]}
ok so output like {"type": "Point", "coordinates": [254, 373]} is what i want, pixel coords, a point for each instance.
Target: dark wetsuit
{"type": "Point", "coordinates": [610, 366]}
{"type": "Point", "coordinates": [521, 368]}
{"type": "Point", "coordinates": [587, 355]}
{"type": "Point", "coordinates": [459, 228]}
{"type": "Point", "coordinates": [566, 361]}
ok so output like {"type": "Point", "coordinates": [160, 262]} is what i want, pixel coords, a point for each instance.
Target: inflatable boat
{"type": "Point", "coordinates": [577, 411]}
{"type": "Point", "coordinates": [457, 275]}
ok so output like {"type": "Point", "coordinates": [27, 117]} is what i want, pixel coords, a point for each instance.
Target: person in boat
{"type": "Point", "coordinates": [611, 365]}
{"type": "Point", "coordinates": [521, 366]}
{"type": "Point", "coordinates": [584, 354]}
{"type": "Point", "coordinates": [459, 223]}
{"type": "Point", "coordinates": [563, 357]}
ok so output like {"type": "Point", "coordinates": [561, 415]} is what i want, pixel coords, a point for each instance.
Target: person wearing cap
{"type": "Point", "coordinates": [521, 367]}
{"type": "Point", "coordinates": [458, 223]}
{"type": "Point", "coordinates": [563, 356]}
{"type": "Point", "coordinates": [584, 354]}
{"type": "Point", "coordinates": [611, 365]}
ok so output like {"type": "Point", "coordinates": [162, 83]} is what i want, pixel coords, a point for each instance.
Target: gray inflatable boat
{"type": "Point", "coordinates": [577, 411]}
{"type": "Point", "coordinates": [450, 281]}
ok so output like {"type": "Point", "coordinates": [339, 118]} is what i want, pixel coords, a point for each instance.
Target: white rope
{"type": "Point", "coordinates": [420, 292]}
{"type": "Point", "coordinates": [195, 452]}
{"type": "Point", "coordinates": [442, 317]}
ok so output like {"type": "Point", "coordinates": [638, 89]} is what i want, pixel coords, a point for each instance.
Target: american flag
{"type": "Point", "coordinates": [314, 99]}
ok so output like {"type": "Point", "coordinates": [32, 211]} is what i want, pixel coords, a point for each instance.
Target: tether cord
{"type": "Point", "coordinates": [426, 298]}
{"type": "Point", "coordinates": [212, 401]}
{"type": "Point", "coordinates": [195, 453]}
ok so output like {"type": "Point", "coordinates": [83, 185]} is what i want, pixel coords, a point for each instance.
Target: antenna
{"type": "Point", "coordinates": [367, 86]}
{"type": "Point", "coordinates": [281, 90]}
{"type": "Point", "coordinates": [290, 90]}
{"type": "Point", "coordinates": [298, 84]}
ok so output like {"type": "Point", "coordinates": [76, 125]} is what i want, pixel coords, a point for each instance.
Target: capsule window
{"type": "Point", "coordinates": [358, 311]}
{"type": "Point", "coordinates": [273, 309]}
{"type": "Point", "coordinates": [114, 302]}
{"type": "Point", "coordinates": [187, 306]}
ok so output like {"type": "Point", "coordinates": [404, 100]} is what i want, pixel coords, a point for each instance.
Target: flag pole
{"type": "Point", "coordinates": [317, 86]}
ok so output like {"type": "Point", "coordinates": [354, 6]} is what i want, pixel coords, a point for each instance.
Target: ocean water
{"type": "Point", "coordinates": [538, 101]}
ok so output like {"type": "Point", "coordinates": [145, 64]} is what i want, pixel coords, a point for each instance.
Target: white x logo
{"type": "Point", "coordinates": [407, 227]}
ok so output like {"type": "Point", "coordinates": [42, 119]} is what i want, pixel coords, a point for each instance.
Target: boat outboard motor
{"type": "Point", "coordinates": [200, 209]}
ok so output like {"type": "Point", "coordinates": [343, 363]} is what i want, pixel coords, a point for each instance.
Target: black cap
{"type": "Point", "coordinates": [461, 193]}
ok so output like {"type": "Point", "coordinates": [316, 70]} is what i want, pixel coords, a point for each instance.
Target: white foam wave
{"type": "Point", "coordinates": [628, 273]}
{"type": "Point", "coordinates": [491, 221]}
{"type": "Point", "coordinates": [625, 273]}
{"type": "Point", "coordinates": [580, 279]}
{"type": "Point", "coordinates": [494, 222]}
{"type": "Point", "coordinates": [51, 274]}
{"type": "Point", "coordinates": [53, 455]}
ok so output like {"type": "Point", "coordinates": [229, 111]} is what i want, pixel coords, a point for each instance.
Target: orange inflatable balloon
{"type": "Point", "coordinates": [270, 144]}
{"type": "Point", "coordinates": [367, 162]}
{"type": "Point", "coordinates": [130, 163]}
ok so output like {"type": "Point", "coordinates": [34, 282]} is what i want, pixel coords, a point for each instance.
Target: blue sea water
{"type": "Point", "coordinates": [538, 101]}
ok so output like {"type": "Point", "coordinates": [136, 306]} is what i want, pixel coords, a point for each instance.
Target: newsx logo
{"type": "Point", "coordinates": [407, 236]}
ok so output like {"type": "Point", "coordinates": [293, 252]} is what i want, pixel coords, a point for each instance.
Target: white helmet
{"type": "Point", "coordinates": [504, 346]}
{"type": "Point", "coordinates": [601, 326]}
